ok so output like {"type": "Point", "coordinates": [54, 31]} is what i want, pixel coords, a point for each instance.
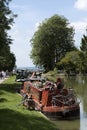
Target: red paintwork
{"type": "Point", "coordinates": [49, 100]}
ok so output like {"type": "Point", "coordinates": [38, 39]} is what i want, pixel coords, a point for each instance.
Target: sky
{"type": "Point", "coordinates": [32, 12]}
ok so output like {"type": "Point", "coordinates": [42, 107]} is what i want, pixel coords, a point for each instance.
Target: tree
{"type": "Point", "coordinates": [11, 64]}
{"type": "Point", "coordinates": [83, 46]}
{"type": "Point", "coordinates": [71, 61]}
{"type": "Point", "coordinates": [83, 55]}
{"type": "Point", "coordinates": [52, 40]}
{"type": "Point", "coordinates": [6, 21]}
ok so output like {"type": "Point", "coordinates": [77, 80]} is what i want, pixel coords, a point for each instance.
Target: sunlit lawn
{"type": "Point", "coordinates": [13, 117]}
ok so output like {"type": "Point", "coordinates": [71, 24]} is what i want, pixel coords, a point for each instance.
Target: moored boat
{"type": "Point", "coordinates": [54, 103]}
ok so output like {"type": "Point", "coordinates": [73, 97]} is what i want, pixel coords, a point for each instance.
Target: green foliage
{"type": "Point", "coordinates": [6, 21]}
{"type": "Point", "coordinates": [71, 61]}
{"type": "Point", "coordinates": [76, 60]}
{"type": "Point", "coordinates": [51, 41]}
{"type": "Point", "coordinates": [83, 55]}
{"type": "Point", "coordinates": [83, 46]}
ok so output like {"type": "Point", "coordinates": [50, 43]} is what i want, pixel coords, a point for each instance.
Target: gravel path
{"type": "Point", "coordinates": [1, 80]}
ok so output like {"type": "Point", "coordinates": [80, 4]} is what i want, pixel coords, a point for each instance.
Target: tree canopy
{"type": "Point", "coordinates": [83, 55]}
{"type": "Point", "coordinates": [6, 21]}
{"type": "Point", "coordinates": [71, 61]}
{"type": "Point", "coordinates": [76, 60]}
{"type": "Point", "coordinates": [52, 40]}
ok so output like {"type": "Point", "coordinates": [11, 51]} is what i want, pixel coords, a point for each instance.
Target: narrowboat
{"type": "Point", "coordinates": [53, 103]}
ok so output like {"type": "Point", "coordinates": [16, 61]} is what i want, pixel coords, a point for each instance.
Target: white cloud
{"type": "Point", "coordinates": [81, 5]}
{"type": "Point", "coordinates": [80, 26]}
{"type": "Point", "coordinates": [80, 29]}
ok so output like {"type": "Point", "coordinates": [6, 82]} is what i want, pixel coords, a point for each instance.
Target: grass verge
{"type": "Point", "coordinates": [13, 117]}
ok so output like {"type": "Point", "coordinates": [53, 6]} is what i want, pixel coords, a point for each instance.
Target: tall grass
{"type": "Point", "coordinates": [14, 117]}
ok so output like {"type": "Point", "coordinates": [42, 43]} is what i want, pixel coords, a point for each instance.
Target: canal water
{"type": "Point", "coordinates": [79, 84]}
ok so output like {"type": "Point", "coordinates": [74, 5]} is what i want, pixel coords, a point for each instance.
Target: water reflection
{"type": "Point", "coordinates": [83, 118]}
{"type": "Point", "coordinates": [79, 84]}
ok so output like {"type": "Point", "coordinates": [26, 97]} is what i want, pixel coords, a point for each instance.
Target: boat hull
{"type": "Point", "coordinates": [66, 112]}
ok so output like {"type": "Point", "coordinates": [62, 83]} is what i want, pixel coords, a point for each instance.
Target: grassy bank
{"type": "Point", "coordinates": [13, 117]}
